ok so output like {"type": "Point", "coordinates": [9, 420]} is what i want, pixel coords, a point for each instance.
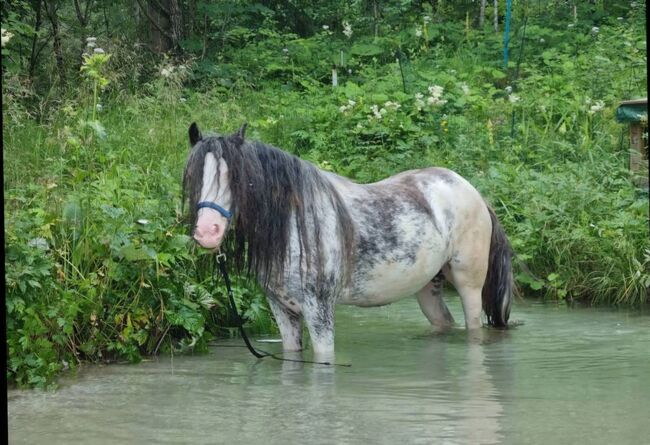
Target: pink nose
{"type": "Point", "coordinates": [208, 235]}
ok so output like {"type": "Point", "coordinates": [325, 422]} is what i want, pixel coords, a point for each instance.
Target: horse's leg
{"type": "Point", "coordinates": [467, 271]}
{"type": "Point", "coordinates": [319, 318]}
{"type": "Point", "coordinates": [432, 304]}
{"type": "Point", "coordinates": [289, 324]}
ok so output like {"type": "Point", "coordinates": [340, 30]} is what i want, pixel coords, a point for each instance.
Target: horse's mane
{"type": "Point", "coordinates": [271, 190]}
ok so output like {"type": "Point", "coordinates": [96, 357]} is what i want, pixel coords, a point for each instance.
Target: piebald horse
{"type": "Point", "coordinates": [313, 238]}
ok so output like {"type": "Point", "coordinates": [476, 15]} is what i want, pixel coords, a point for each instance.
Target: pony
{"type": "Point", "coordinates": [312, 238]}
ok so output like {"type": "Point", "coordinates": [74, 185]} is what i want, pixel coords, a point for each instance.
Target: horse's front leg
{"type": "Point", "coordinates": [289, 323]}
{"type": "Point", "coordinates": [319, 318]}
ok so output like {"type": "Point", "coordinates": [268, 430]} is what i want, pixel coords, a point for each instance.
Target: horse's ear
{"type": "Point", "coordinates": [195, 134]}
{"type": "Point", "coordinates": [242, 131]}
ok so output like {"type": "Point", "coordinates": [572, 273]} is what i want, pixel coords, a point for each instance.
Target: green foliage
{"type": "Point", "coordinates": [99, 264]}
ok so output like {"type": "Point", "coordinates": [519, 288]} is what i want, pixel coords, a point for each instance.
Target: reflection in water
{"type": "Point", "coordinates": [553, 380]}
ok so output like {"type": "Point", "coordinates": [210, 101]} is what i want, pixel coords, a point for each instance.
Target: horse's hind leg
{"type": "Point", "coordinates": [289, 324]}
{"type": "Point", "coordinates": [433, 306]}
{"type": "Point", "coordinates": [467, 272]}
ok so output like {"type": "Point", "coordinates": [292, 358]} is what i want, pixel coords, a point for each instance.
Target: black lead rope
{"type": "Point", "coordinates": [221, 263]}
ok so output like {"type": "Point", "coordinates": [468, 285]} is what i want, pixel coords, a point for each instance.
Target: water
{"type": "Point", "coordinates": [565, 376]}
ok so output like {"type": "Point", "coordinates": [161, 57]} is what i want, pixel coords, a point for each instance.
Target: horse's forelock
{"type": "Point", "coordinates": [193, 174]}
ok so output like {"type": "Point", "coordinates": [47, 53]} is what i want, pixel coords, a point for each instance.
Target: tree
{"type": "Point", "coordinates": [481, 17]}
{"type": "Point", "coordinates": [52, 10]}
{"type": "Point", "coordinates": [165, 24]}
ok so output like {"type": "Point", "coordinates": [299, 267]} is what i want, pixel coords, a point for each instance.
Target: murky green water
{"type": "Point", "coordinates": [566, 376]}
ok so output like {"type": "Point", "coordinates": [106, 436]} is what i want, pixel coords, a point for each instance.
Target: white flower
{"type": "Point", "coordinates": [349, 106]}
{"type": "Point", "coordinates": [99, 107]}
{"type": "Point", "coordinates": [376, 112]}
{"type": "Point", "coordinates": [392, 105]}
{"type": "Point", "coordinates": [595, 30]}
{"type": "Point", "coordinates": [418, 31]}
{"type": "Point", "coordinates": [508, 89]}
{"type": "Point", "coordinates": [39, 243]}
{"type": "Point", "coordinates": [143, 221]}
{"type": "Point", "coordinates": [347, 29]}
{"type": "Point", "coordinates": [436, 91]}
{"type": "Point", "coordinates": [91, 39]}
{"type": "Point", "coordinates": [599, 105]}
{"type": "Point", "coordinates": [570, 25]}
{"type": "Point", "coordinates": [6, 36]}
{"type": "Point", "coordinates": [426, 19]}
{"type": "Point", "coordinates": [465, 88]}
{"type": "Point", "coordinates": [620, 19]}
{"type": "Point", "coordinates": [435, 101]}
{"type": "Point", "coordinates": [98, 51]}
{"type": "Point", "coordinates": [90, 44]}
{"type": "Point", "coordinates": [419, 96]}
{"type": "Point", "coordinates": [541, 40]}
{"type": "Point", "coordinates": [165, 72]}
{"type": "Point", "coordinates": [325, 27]}
{"type": "Point", "coordinates": [183, 100]}
{"type": "Point", "coordinates": [513, 98]}
{"type": "Point", "coordinates": [285, 50]}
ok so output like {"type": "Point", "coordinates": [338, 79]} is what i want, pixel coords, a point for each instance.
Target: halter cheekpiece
{"type": "Point", "coordinates": [211, 205]}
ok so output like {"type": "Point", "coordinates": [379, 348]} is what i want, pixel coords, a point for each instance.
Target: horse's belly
{"type": "Point", "coordinates": [390, 281]}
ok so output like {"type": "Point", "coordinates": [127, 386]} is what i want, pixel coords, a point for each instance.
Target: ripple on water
{"type": "Point", "coordinates": [562, 376]}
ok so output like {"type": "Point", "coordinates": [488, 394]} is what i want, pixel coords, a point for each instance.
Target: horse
{"type": "Point", "coordinates": [312, 238]}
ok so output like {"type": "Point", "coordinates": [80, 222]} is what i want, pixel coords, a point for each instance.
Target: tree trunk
{"type": "Point", "coordinates": [33, 58]}
{"type": "Point", "coordinates": [481, 17]}
{"type": "Point", "coordinates": [191, 22]}
{"type": "Point", "coordinates": [376, 14]}
{"type": "Point", "coordinates": [108, 28]}
{"type": "Point", "coordinates": [51, 8]}
{"type": "Point", "coordinates": [165, 24]}
{"type": "Point", "coordinates": [82, 16]}
{"type": "Point", "coordinates": [496, 16]}
{"type": "Point", "coordinates": [176, 23]}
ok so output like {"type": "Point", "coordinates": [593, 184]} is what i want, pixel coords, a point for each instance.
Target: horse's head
{"type": "Point", "coordinates": [206, 182]}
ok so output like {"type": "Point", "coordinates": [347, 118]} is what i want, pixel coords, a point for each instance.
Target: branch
{"type": "Point", "coordinates": [160, 7]}
{"type": "Point", "coordinates": [88, 3]}
{"type": "Point", "coordinates": [80, 17]}
{"type": "Point", "coordinates": [155, 23]}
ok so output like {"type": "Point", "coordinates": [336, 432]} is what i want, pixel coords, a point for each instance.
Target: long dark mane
{"type": "Point", "coordinates": [271, 191]}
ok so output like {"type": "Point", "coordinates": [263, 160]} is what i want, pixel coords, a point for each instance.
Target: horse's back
{"type": "Point", "coordinates": [406, 230]}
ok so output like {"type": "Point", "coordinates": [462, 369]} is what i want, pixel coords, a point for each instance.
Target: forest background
{"type": "Point", "coordinates": [98, 95]}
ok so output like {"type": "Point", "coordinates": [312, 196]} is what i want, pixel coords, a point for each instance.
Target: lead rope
{"type": "Point", "coordinates": [221, 264]}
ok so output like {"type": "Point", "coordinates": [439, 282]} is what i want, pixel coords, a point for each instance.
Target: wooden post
{"type": "Point", "coordinates": [638, 155]}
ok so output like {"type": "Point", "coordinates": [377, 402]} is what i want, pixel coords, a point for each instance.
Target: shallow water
{"type": "Point", "coordinates": [565, 376]}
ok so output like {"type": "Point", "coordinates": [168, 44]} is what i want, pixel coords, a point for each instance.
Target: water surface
{"type": "Point", "coordinates": [565, 376]}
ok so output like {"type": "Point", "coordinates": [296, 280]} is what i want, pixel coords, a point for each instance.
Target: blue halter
{"type": "Point", "coordinates": [211, 205]}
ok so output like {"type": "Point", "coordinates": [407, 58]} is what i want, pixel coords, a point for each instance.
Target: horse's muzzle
{"type": "Point", "coordinates": [209, 236]}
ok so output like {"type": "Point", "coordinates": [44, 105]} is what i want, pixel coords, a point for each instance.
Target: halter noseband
{"type": "Point", "coordinates": [211, 205]}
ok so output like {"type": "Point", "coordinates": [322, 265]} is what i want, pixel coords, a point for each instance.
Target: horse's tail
{"type": "Point", "coordinates": [498, 286]}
